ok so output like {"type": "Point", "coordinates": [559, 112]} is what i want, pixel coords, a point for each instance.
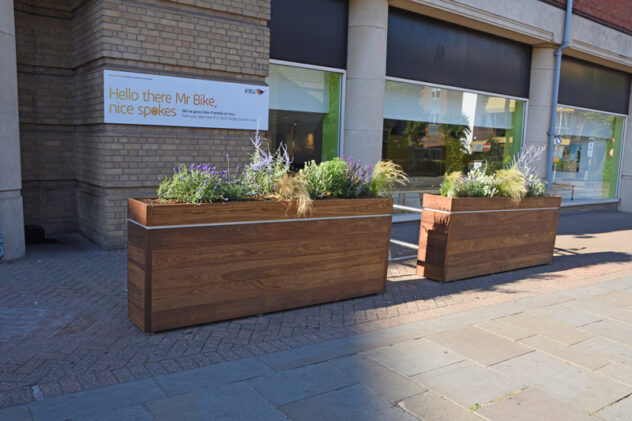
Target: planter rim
{"type": "Point", "coordinates": [171, 215]}
{"type": "Point", "coordinates": [452, 205]}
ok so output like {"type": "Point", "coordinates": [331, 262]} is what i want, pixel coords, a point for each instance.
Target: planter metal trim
{"type": "Point", "coordinates": [271, 221]}
{"type": "Point", "coordinates": [487, 211]}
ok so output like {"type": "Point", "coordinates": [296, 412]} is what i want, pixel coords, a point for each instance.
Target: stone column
{"type": "Point", "coordinates": [540, 97]}
{"type": "Point", "coordinates": [366, 71]}
{"type": "Point", "coordinates": [625, 186]}
{"type": "Point", "coordinates": [11, 216]}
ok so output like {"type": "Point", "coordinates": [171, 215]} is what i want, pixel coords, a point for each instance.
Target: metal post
{"type": "Point", "coordinates": [556, 89]}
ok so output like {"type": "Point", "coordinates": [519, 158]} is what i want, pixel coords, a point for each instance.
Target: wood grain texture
{"type": "Point", "coordinates": [203, 274]}
{"type": "Point", "coordinates": [456, 246]}
{"type": "Point", "coordinates": [156, 214]}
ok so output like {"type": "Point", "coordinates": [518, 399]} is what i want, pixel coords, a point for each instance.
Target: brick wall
{"type": "Point", "coordinates": [616, 14]}
{"type": "Point", "coordinates": [102, 165]}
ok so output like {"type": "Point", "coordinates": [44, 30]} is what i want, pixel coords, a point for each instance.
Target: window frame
{"type": "Point", "coordinates": [623, 142]}
{"type": "Point", "coordinates": [343, 82]}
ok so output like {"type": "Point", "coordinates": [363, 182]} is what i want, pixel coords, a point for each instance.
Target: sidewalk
{"type": "Point", "coordinates": [65, 330]}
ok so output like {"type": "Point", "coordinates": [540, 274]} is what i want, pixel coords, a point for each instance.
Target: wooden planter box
{"type": "Point", "coordinates": [193, 264]}
{"type": "Point", "coordinates": [471, 236]}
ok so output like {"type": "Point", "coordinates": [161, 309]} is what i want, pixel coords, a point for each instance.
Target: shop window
{"type": "Point", "coordinates": [432, 131]}
{"type": "Point", "coordinates": [304, 112]}
{"type": "Point", "coordinates": [586, 154]}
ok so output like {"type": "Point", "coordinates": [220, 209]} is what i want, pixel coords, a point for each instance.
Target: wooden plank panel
{"type": "Point", "coordinates": [170, 319]}
{"type": "Point", "coordinates": [460, 221]}
{"type": "Point", "coordinates": [186, 214]}
{"type": "Point", "coordinates": [313, 280]}
{"type": "Point", "coordinates": [506, 254]}
{"type": "Point", "coordinates": [137, 210]}
{"type": "Point", "coordinates": [502, 229]}
{"type": "Point", "coordinates": [166, 239]}
{"type": "Point", "coordinates": [460, 272]}
{"type": "Point", "coordinates": [485, 243]}
{"type": "Point", "coordinates": [189, 283]}
{"type": "Point", "coordinates": [136, 274]}
{"type": "Point", "coordinates": [257, 251]}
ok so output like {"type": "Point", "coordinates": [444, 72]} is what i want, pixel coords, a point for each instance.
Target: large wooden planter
{"type": "Point", "coordinates": [190, 264]}
{"type": "Point", "coordinates": [471, 236]}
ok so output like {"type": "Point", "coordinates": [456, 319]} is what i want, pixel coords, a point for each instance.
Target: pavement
{"type": "Point", "coordinates": [550, 342]}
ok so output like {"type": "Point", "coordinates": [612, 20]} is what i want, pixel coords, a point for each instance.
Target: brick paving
{"type": "Point", "coordinates": [64, 325]}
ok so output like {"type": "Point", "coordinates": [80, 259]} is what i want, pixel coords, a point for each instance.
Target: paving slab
{"type": "Point", "coordinates": [618, 372]}
{"type": "Point", "coordinates": [623, 298]}
{"type": "Point", "coordinates": [130, 413]}
{"type": "Point", "coordinates": [299, 383]}
{"type": "Point", "coordinates": [15, 413]}
{"type": "Point", "coordinates": [477, 315]}
{"type": "Point", "coordinates": [572, 354]}
{"type": "Point", "coordinates": [479, 345]}
{"type": "Point", "coordinates": [432, 407]}
{"type": "Point", "coordinates": [546, 326]}
{"type": "Point", "coordinates": [567, 314]}
{"type": "Point", "coordinates": [232, 402]}
{"type": "Point", "coordinates": [95, 401]}
{"type": "Point", "coordinates": [603, 307]}
{"type": "Point", "coordinates": [608, 348]}
{"type": "Point", "coordinates": [385, 382]}
{"type": "Point", "coordinates": [578, 387]}
{"type": "Point", "coordinates": [619, 411]}
{"type": "Point", "coordinates": [212, 376]}
{"type": "Point", "coordinates": [538, 301]}
{"type": "Point", "coordinates": [506, 330]}
{"type": "Point", "coordinates": [315, 353]}
{"type": "Point", "coordinates": [611, 329]}
{"type": "Point", "coordinates": [350, 403]}
{"type": "Point", "coordinates": [414, 357]}
{"type": "Point", "coordinates": [532, 404]}
{"type": "Point", "coordinates": [469, 383]}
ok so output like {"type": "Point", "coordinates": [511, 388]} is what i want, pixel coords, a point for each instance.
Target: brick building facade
{"type": "Point", "coordinates": [77, 171]}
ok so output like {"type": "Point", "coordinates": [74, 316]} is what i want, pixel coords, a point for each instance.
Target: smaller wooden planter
{"type": "Point", "coordinates": [471, 236]}
{"type": "Point", "coordinates": [192, 264]}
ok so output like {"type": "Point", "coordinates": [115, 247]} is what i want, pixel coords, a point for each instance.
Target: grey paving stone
{"type": "Point", "coordinates": [432, 407]}
{"type": "Point", "coordinates": [469, 383]}
{"type": "Point", "coordinates": [530, 405]}
{"type": "Point", "coordinates": [299, 383]}
{"type": "Point", "coordinates": [620, 411]}
{"type": "Point", "coordinates": [479, 345]}
{"type": "Point", "coordinates": [414, 357]}
{"type": "Point", "coordinates": [212, 376]}
{"type": "Point", "coordinates": [312, 354]}
{"type": "Point", "coordinates": [544, 300]}
{"type": "Point", "coordinates": [385, 382]}
{"type": "Point", "coordinates": [612, 329]}
{"type": "Point", "coordinates": [545, 326]}
{"type": "Point", "coordinates": [95, 401]}
{"type": "Point", "coordinates": [474, 316]}
{"type": "Point", "coordinates": [607, 348]}
{"type": "Point", "coordinates": [618, 284]}
{"type": "Point", "coordinates": [568, 314]}
{"type": "Point", "coordinates": [579, 387]}
{"type": "Point", "coordinates": [506, 330]}
{"type": "Point", "coordinates": [618, 372]}
{"type": "Point", "coordinates": [623, 298]}
{"type": "Point", "coordinates": [572, 354]}
{"type": "Point", "coordinates": [231, 402]}
{"type": "Point", "coordinates": [351, 403]}
{"type": "Point", "coordinates": [15, 413]}
{"type": "Point", "coordinates": [131, 413]}
{"type": "Point", "coordinates": [604, 307]}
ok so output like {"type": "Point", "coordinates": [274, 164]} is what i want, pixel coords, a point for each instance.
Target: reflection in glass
{"type": "Point", "coordinates": [586, 154]}
{"type": "Point", "coordinates": [304, 112]}
{"type": "Point", "coordinates": [432, 131]}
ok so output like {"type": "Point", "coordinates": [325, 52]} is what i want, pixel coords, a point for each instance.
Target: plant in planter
{"type": "Point", "coordinates": [220, 244]}
{"type": "Point", "coordinates": [486, 223]}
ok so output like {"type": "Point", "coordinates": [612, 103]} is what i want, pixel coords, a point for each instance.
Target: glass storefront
{"type": "Point", "coordinates": [304, 112]}
{"type": "Point", "coordinates": [586, 154]}
{"type": "Point", "coordinates": [432, 131]}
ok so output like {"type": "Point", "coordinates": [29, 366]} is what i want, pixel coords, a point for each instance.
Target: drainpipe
{"type": "Point", "coordinates": [556, 89]}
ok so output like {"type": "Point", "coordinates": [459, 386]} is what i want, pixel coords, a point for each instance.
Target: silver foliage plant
{"type": "Point", "coordinates": [524, 163]}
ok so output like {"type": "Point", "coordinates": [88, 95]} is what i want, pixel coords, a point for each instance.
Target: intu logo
{"type": "Point", "coordinates": [252, 91]}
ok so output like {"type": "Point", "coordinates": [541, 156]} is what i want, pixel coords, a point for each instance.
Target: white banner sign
{"type": "Point", "coordinates": [135, 98]}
